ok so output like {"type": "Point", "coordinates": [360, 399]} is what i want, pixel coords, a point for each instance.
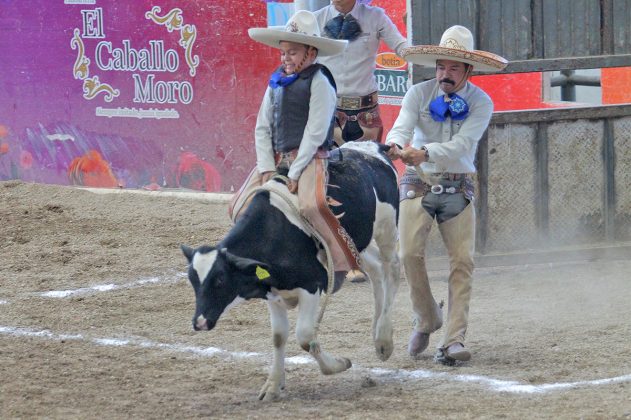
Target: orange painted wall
{"type": "Point", "coordinates": [616, 85]}
{"type": "Point", "coordinates": [512, 91]}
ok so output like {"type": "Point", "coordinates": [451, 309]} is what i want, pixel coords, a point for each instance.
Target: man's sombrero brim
{"type": "Point", "coordinates": [426, 55]}
{"type": "Point", "coordinates": [273, 37]}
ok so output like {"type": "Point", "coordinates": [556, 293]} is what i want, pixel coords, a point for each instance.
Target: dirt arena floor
{"type": "Point", "coordinates": [95, 322]}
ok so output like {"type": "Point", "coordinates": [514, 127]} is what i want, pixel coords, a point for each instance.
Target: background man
{"type": "Point", "coordinates": [364, 27]}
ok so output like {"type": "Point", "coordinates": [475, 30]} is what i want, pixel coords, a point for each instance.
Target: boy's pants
{"type": "Point", "coordinates": [313, 206]}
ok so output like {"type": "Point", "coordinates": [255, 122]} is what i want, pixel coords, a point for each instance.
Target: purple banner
{"type": "Point", "coordinates": [138, 94]}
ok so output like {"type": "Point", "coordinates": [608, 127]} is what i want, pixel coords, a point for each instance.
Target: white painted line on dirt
{"type": "Point", "coordinates": [299, 360]}
{"type": "Point", "coordinates": [127, 342]}
{"type": "Point", "coordinates": [81, 291]}
{"type": "Point", "coordinates": [108, 287]}
{"type": "Point", "coordinates": [496, 385]}
{"type": "Point", "coordinates": [3, 302]}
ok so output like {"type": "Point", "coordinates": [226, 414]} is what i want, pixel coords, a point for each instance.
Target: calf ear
{"type": "Point", "coordinates": [247, 266]}
{"type": "Point", "coordinates": [188, 252]}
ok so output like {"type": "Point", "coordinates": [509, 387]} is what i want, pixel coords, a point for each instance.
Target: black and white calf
{"type": "Point", "coordinates": [268, 254]}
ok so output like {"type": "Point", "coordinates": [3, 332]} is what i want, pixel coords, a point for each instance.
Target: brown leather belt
{"type": "Point", "coordinates": [411, 185]}
{"type": "Point", "coordinates": [357, 102]}
{"type": "Point", "coordinates": [449, 176]}
{"type": "Point", "coordinates": [287, 158]}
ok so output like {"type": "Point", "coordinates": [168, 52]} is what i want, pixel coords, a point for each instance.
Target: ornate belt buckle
{"type": "Point", "coordinates": [437, 189]}
{"type": "Point", "coordinates": [350, 103]}
{"type": "Point", "coordinates": [450, 190]}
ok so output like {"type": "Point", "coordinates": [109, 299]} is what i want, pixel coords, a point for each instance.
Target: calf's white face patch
{"type": "Point", "coordinates": [202, 263]}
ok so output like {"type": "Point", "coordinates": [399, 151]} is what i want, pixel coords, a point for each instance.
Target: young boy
{"type": "Point", "coordinates": [294, 128]}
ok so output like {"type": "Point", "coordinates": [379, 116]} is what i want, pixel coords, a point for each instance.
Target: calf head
{"type": "Point", "coordinates": [221, 280]}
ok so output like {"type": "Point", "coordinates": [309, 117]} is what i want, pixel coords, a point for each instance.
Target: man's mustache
{"type": "Point", "coordinates": [447, 80]}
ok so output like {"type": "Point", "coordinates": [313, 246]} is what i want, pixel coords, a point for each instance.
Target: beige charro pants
{"type": "Point", "coordinates": [241, 199]}
{"type": "Point", "coordinates": [458, 234]}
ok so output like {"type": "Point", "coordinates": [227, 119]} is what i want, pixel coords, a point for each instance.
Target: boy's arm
{"type": "Point", "coordinates": [321, 110]}
{"type": "Point", "coordinates": [263, 135]}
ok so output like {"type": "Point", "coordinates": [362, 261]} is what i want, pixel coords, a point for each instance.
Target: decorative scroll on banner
{"type": "Point", "coordinates": [144, 63]}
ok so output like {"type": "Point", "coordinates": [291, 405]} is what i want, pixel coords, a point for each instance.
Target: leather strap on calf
{"type": "Point", "coordinates": [339, 234]}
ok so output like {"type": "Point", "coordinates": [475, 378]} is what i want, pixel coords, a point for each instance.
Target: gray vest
{"type": "Point", "coordinates": [291, 111]}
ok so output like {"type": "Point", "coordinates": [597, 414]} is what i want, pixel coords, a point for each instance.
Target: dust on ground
{"type": "Point", "coordinates": [114, 340]}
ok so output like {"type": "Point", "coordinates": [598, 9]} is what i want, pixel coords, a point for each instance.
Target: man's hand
{"type": "Point", "coordinates": [394, 153]}
{"type": "Point", "coordinates": [292, 186]}
{"type": "Point", "coordinates": [412, 156]}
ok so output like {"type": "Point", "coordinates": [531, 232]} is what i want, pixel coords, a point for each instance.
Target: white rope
{"type": "Point", "coordinates": [314, 232]}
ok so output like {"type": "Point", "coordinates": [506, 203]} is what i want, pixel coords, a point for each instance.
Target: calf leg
{"type": "Point", "coordinates": [308, 311]}
{"type": "Point", "coordinates": [382, 264]}
{"type": "Point", "coordinates": [381, 328]}
{"type": "Point", "coordinates": [280, 330]}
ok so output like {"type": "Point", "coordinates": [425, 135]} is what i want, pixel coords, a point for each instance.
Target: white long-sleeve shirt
{"type": "Point", "coordinates": [321, 109]}
{"type": "Point", "coordinates": [451, 144]}
{"type": "Point", "coordinates": [354, 69]}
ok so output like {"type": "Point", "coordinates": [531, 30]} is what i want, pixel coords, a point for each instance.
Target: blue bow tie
{"type": "Point", "coordinates": [343, 27]}
{"type": "Point", "coordinates": [279, 79]}
{"type": "Point", "coordinates": [451, 105]}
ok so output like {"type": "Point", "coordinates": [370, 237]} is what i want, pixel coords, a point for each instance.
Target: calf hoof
{"type": "Point", "coordinates": [340, 364]}
{"type": "Point", "coordinates": [269, 392]}
{"type": "Point", "coordinates": [384, 349]}
{"type": "Point", "coordinates": [329, 364]}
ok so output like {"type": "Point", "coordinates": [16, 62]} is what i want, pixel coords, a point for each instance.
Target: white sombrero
{"type": "Point", "coordinates": [301, 28]}
{"type": "Point", "coordinates": [456, 44]}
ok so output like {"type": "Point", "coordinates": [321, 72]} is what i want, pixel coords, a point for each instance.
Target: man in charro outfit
{"type": "Point", "coordinates": [441, 120]}
{"type": "Point", "coordinates": [294, 130]}
{"type": "Point", "coordinates": [365, 27]}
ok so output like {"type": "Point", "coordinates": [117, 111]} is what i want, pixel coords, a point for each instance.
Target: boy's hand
{"type": "Point", "coordinates": [292, 186]}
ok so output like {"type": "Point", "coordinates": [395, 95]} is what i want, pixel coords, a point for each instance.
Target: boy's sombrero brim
{"type": "Point", "coordinates": [426, 55]}
{"type": "Point", "coordinates": [273, 37]}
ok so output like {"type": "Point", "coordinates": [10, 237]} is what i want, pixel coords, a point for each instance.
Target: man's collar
{"type": "Point", "coordinates": [353, 11]}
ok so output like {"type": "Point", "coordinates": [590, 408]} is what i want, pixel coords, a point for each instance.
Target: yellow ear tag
{"type": "Point", "coordinates": [261, 273]}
